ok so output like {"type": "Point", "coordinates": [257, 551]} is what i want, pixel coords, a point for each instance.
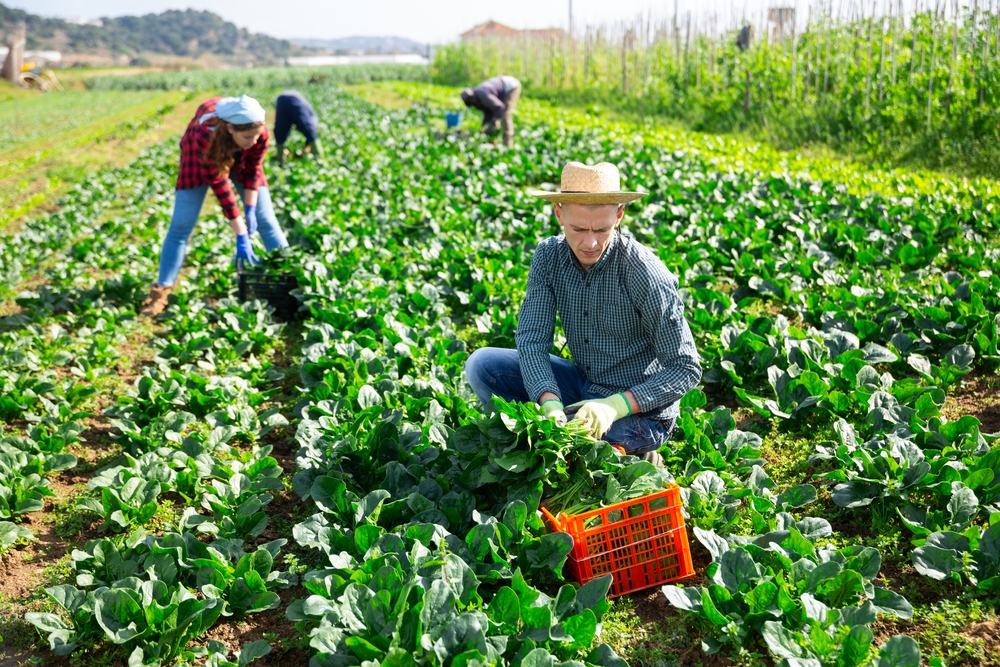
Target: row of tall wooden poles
{"type": "Point", "coordinates": [839, 44]}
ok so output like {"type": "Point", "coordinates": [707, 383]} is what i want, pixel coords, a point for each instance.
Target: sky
{"type": "Point", "coordinates": [434, 21]}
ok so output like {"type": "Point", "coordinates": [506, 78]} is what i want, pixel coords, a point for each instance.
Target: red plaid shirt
{"type": "Point", "coordinates": [196, 170]}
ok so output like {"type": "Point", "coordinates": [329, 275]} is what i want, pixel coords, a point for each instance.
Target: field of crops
{"type": "Point", "coordinates": [260, 78]}
{"type": "Point", "coordinates": [219, 487]}
{"type": "Point", "coordinates": [891, 82]}
{"type": "Point", "coordinates": [47, 141]}
{"type": "Point", "coordinates": [26, 121]}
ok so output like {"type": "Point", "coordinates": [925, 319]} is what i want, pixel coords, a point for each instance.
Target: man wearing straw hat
{"type": "Point", "coordinates": [633, 353]}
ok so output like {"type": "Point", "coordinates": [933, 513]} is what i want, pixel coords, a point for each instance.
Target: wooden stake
{"type": "Point", "coordinates": [793, 59]}
{"type": "Point", "coordinates": [624, 68]}
{"type": "Point", "coordinates": [913, 48]}
{"type": "Point", "coordinates": [829, 39]}
{"type": "Point", "coordinates": [952, 60]}
{"type": "Point", "coordinates": [817, 57]}
{"type": "Point", "coordinates": [893, 52]}
{"type": "Point", "coordinates": [930, 77]}
{"type": "Point", "coordinates": [975, 17]}
{"type": "Point", "coordinates": [983, 63]}
{"type": "Point", "coordinates": [868, 63]}
{"type": "Point", "coordinates": [996, 33]}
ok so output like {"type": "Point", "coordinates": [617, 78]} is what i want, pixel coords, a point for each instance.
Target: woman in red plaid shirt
{"type": "Point", "coordinates": [223, 147]}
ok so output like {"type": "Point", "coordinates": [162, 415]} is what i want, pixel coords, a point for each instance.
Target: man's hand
{"type": "Point", "coordinates": [598, 414]}
{"type": "Point", "coordinates": [553, 409]}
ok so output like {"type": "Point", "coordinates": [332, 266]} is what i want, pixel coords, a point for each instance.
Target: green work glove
{"type": "Point", "coordinates": [553, 409]}
{"type": "Point", "coordinates": [598, 414]}
{"type": "Point", "coordinates": [279, 154]}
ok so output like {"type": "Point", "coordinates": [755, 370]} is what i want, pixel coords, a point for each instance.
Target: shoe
{"type": "Point", "coordinates": [653, 457]}
{"type": "Point", "coordinates": [156, 302]}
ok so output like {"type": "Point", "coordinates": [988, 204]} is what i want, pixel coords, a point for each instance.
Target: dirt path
{"type": "Point", "coordinates": [26, 571]}
{"type": "Point", "coordinates": [976, 396]}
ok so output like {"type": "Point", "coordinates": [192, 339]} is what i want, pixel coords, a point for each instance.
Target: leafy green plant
{"type": "Point", "coordinates": [782, 575]}
{"type": "Point", "coordinates": [828, 643]}
{"type": "Point", "coordinates": [218, 654]}
{"type": "Point", "coordinates": [22, 488]}
{"type": "Point", "coordinates": [127, 507]}
{"type": "Point", "coordinates": [151, 620]}
{"type": "Point", "coordinates": [972, 556]}
{"type": "Point", "coordinates": [883, 467]}
{"type": "Point", "coordinates": [12, 534]}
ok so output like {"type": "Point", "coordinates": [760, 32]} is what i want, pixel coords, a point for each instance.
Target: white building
{"type": "Point", "coordinates": [38, 57]}
{"type": "Point", "coordinates": [94, 22]}
{"type": "Point", "coordinates": [373, 59]}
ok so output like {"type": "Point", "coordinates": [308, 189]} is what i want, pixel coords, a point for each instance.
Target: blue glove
{"type": "Point", "coordinates": [244, 252]}
{"type": "Point", "coordinates": [251, 216]}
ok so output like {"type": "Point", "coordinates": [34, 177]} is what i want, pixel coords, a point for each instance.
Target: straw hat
{"type": "Point", "coordinates": [600, 184]}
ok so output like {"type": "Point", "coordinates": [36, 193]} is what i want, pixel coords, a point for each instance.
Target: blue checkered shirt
{"type": "Point", "coordinates": [624, 324]}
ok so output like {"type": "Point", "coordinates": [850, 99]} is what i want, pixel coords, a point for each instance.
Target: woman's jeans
{"type": "Point", "coordinates": [187, 206]}
{"type": "Point", "coordinates": [494, 371]}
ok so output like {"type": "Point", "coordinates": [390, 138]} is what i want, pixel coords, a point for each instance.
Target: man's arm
{"type": "Point", "coordinates": [663, 318]}
{"type": "Point", "coordinates": [535, 329]}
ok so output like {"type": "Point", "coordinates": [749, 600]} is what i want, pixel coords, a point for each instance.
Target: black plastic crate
{"type": "Point", "coordinates": [273, 288]}
{"type": "Point", "coordinates": [459, 135]}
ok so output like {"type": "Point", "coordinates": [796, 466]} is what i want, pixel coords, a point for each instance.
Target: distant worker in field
{"type": "Point", "coordinates": [496, 98]}
{"type": "Point", "coordinates": [634, 357]}
{"type": "Point", "coordinates": [745, 37]}
{"type": "Point", "coordinates": [293, 110]}
{"type": "Point", "coordinates": [222, 148]}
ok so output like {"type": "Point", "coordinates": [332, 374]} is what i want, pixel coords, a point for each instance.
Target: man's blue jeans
{"type": "Point", "coordinates": [494, 371]}
{"type": "Point", "coordinates": [187, 206]}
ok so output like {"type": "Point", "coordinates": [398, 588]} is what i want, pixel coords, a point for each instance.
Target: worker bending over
{"type": "Point", "coordinates": [292, 109]}
{"type": "Point", "coordinates": [496, 98]}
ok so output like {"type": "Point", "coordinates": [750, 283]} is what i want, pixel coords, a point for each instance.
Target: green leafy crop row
{"type": "Point", "coordinates": [813, 304]}
{"type": "Point", "coordinates": [260, 78]}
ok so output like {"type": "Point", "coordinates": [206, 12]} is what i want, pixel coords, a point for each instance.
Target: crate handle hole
{"type": "Point", "coordinates": [636, 510]}
{"type": "Point", "coordinates": [658, 503]}
{"type": "Point", "coordinates": [614, 516]}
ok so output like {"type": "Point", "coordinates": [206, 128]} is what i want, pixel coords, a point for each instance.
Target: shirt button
{"type": "Point", "coordinates": [586, 340]}
{"type": "Point", "coordinates": [588, 368]}
{"type": "Point", "coordinates": [584, 313]}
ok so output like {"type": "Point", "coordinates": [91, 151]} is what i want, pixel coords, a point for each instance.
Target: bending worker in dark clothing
{"type": "Point", "coordinates": [496, 98]}
{"type": "Point", "coordinates": [293, 109]}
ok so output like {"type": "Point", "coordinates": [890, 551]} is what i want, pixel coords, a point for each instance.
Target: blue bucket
{"type": "Point", "coordinates": [452, 119]}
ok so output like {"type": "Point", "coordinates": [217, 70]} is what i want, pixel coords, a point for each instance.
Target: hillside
{"type": "Point", "coordinates": [187, 33]}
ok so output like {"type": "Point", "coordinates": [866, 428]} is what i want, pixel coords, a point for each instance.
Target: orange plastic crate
{"type": "Point", "coordinates": [642, 542]}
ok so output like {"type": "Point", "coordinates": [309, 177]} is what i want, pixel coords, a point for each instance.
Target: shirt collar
{"type": "Point", "coordinates": [599, 264]}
